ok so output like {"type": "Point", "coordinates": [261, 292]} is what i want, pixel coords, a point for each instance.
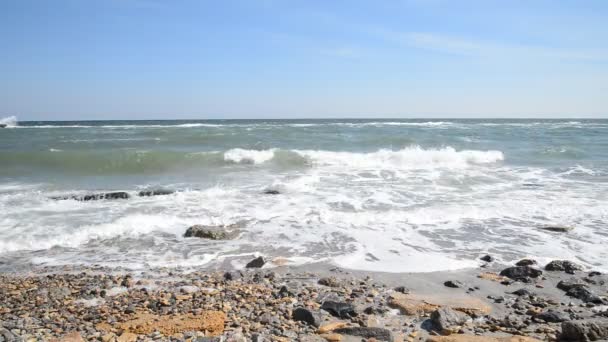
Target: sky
{"type": "Point", "coordinates": [199, 59]}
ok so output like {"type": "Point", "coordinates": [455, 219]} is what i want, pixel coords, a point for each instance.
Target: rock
{"type": "Point", "coordinates": [256, 263]}
{"type": "Point", "coordinates": [72, 337]}
{"type": "Point", "coordinates": [493, 277]}
{"type": "Point", "coordinates": [522, 292]}
{"type": "Point", "coordinates": [567, 284]}
{"type": "Point", "coordinates": [584, 330]}
{"type": "Point", "coordinates": [584, 294]}
{"type": "Point", "coordinates": [271, 192]}
{"type": "Point", "coordinates": [7, 335]}
{"type": "Point", "coordinates": [127, 337]}
{"type": "Point", "coordinates": [417, 304]}
{"type": "Point", "coordinates": [307, 316]}
{"type": "Point", "coordinates": [3, 125]}
{"type": "Point", "coordinates": [487, 258]}
{"type": "Point", "coordinates": [453, 284]}
{"type": "Point", "coordinates": [476, 338]}
{"type": "Point", "coordinates": [339, 309]}
{"type": "Point", "coordinates": [402, 289]}
{"type": "Point", "coordinates": [158, 192]}
{"type": "Point", "coordinates": [448, 321]}
{"type": "Point", "coordinates": [332, 337]}
{"type": "Point", "coordinates": [557, 229]}
{"type": "Point", "coordinates": [563, 265]}
{"type": "Point", "coordinates": [212, 232]}
{"type": "Point", "coordinates": [526, 262]}
{"type": "Point", "coordinates": [107, 195]}
{"type": "Point", "coordinates": [329, 281]}
{"type": "Point", "coordinates": [331, 327]}
{"type": "Point", "coordinates": [552, 316]}
{"type": "Point", "coordinates": [521, 273]}
{"type": "Point", "coordinates": [380, 334]}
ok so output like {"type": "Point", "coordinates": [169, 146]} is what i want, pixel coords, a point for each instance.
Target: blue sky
{"type": "Point", "coordinates": [148, 59]}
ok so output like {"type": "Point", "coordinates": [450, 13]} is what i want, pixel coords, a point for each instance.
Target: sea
{"type": "Point", "coordinates": [385, 195]}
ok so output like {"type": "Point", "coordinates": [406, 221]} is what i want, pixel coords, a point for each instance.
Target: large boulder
{"type": "Point", "coordinates": [563, 265]}
{"type": "Point", "coordinates": [585, 330]}
{"type": "Point", "coordinates": [448, 321]}
{"type": "Point", "coordinates": [521, 273]}
{"type": "Point", "coordinates": [307, 316]}
{"type": "Point", "coordinates": [212, 232]}
{"type": "Point", "coordinates": [256, 263]}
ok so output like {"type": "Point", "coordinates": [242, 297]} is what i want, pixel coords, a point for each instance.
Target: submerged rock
{"type": "Point", "coordinates": [271, 192]}
{"type": "Point", "coordinates": [95, 197]}
{"type": "Point", "coordinates": [2, 125]}
{"type": "Point", "coordinates": [339, 309]}
{"type": "Point", "coordinates": [256, 263]}
{"type": "Point", "coordinates": [563, 265]}
{"type": "Point", "coordinates": [557, 229]}
{"type": "Point", "coordinates": [487, 258]}
{"type": "Point", "coordinates": [521, 273]}
{"type": "Point", "coordinates": [212, 232]}
{"type": "Point", "coordinates": [159, 192]}
{"type": "Point", "coordinates": [584, 330]}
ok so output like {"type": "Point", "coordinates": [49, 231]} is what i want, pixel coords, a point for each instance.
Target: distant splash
{"type": "Point", "coordinates": [10, 121]}
{"type": "Point", "coordinates": [145, 161]}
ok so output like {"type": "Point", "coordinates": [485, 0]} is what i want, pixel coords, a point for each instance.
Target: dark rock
{"type": "Point", "coordinates": [379, 334]}
{"type": "Point", "coordinates": [447, 321]}
{"type": "Point", "coordinates": [567, 284]}
{"type": "Point", "coordinates": [307, 316]}
{"type": "Point", "coordinates": [107, 195]}
{"type": "Point", "coordinates": [2, 125]}
{"type": "Point", "coordinates": [329, 281]}
{"type": "Point", "coordinates": [339, 309]}
{"type": "Point", "coordinates": [557, 229]}
{"type": "Point", "coordinates": [284, 292]}
{"type": "Point", "coordinates": [212, 232]}
{"type": "Point", "coordinates": [522, 292]}
{"type": "Point", "coordinates": [453, 284]}
{"type": "Point", "coordinates": [563, 265]}
{"type": "Point", "coordinates": [584, 330]}
{"type": "Point", "coordinates": [271, 192]}
{"type": "Point", "coordinates": [584, 294]}
{"type": "Point", "coordinates": [256, 263]}
{"type": "Point", "coordinates": [402, 289]}
{"type": "Point", "coordinates": [159, 192]}
{"type": "Point", "coordinates": [552, 316]}
{"type": "Point", "coordinates": [526, 262]}
{"type": "Point", "coordinates": [487, 258]}
{"type": "Point", "coordinates": [521, 273]}
{"type": "Point", "coordinates": [375, 310]}
{"type": "Point", "coordinates": [594, 273]}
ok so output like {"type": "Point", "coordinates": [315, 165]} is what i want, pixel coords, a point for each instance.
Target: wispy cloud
{"type": "Point", "coordinates": [448, 44]}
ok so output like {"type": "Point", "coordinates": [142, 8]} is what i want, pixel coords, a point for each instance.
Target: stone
{"type": "Point", "coordinates": [563, 265]}
{"type": "Point", "coordinates": [329, 281]}
{"type": "Point", "coordinates": [271, 192]}
{"type": "Point", "coordinates": [212, 232]}
{"type": "Point", "coordinates": [158, 192]}
{"type": "Point", "coordinates": [552, 316]}
{"type": "Point", "coordinates": [492, 276]}
{"type": "Point", "coordinates": [522, 292]}
{"type": "Point", "coordinates": [332, 337]}
{"type": "Point", "coordinates": [584, 330]}
{"type": "Point", "coordinates": [402, 289]}
{"type": "Point", "coordinates": [307, 316]}
{"type": "Point", "coordinates": [339, 309]}
{"type": "Point", "coordinates": [145, 323]}
{"type": "Point", "coordinates": [567, 284]}
{"type": "Point", "coordinates": [380, 334]}
{"type": "Point", "coordinates": [526, 262]}
{"type": "Point", "coordinates": [557, 229]}
{"type": "Point", "coordinates": [448, 321]}
{"type": "Point", "coordinates": [453, 284]}
{"type": "Point", "coordinates": [331, 327]}
{"type": "Point", "coordinates": [583, 293]}
{"type": "Point", "coordinates": [521, 273]}
{"type": "Point", "coordinates": [419, 304]}
{"type": "Point", "coordinates": [127, 337]}
{"type": "Point", "coordinates": [487, 258]}
{"type": "Point", "coordinates": [256, 263]}
{"type": "Point", "coordinates": [476, 338]}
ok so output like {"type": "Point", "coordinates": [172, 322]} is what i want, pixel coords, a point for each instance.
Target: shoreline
{"type": "Point", "coordinates": [314, 302]}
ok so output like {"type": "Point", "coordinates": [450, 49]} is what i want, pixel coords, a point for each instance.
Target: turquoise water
{"type": "Point", "coordinates": [395, 195]}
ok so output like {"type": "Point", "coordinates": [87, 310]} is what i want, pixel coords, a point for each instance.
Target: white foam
{"type": "Point", "coordinates": [10, 121]}
{"type": "Point", "coordinates": [242, 156]}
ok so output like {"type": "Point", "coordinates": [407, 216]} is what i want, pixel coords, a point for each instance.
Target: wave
{"type": "Point", "coordinates": [140, 162]}
{"type": "Point", "coordinates": [10, 121]}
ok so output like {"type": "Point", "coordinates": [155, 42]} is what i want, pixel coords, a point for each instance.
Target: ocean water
{"type": "Point", "coordinates": [383, 195]}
